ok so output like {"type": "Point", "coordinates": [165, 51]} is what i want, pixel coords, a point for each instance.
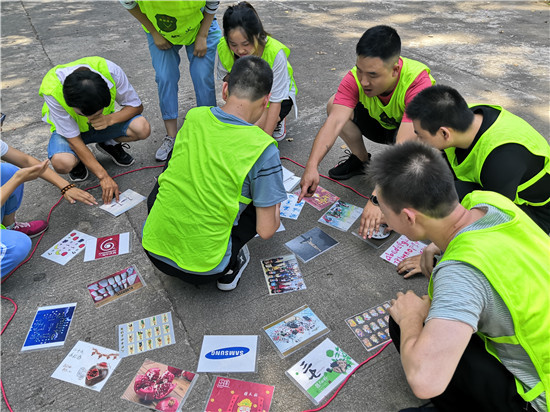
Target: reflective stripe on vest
{"type": "Point", "coordinates": [199, 193]}
{"type": "Point", "coordinates": [390, 116]}
{"type": "Point", "coordinates": [508, 128]}
{"type": "Point", "coordinates": [513, 256]}
{"type": "Point", "coordinates": [177, 21]}
{"type": "Point", "coordinates": [51, 86]}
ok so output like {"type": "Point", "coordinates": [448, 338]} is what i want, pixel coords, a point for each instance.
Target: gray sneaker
{"type": "Point", "coordinates": [230, 280]}
{"type": "Point", "coordinates": [280, 130]}
{"type": "Point", "coordinates": [165, 148]}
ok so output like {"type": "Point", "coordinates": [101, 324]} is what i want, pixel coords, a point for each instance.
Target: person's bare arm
{"type": "Point", "coordinates": [102, 121]}
{"type": "Point", "coordinates": [21, 176]}
{"type": "Point", "coordinates": [405, 132]}
{"type": "Point", "coordinates": [324, 140]}
{"type": "Point", "coordinates": [202, 35]}
{"type": "Point", "coordinates": [159, 39]}
{"type": "Point", "coordinates": [267, 220]}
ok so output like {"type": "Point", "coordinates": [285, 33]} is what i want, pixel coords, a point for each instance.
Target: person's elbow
{"type": "Point", "coordinates": [424, 386]}
{"type": "Point", "coordinates": [267, 221]}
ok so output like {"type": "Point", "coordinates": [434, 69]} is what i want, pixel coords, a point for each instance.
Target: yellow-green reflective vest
{"type": "Point", "coordinates": [508, 128]}
{"type": "Point", "coordinates": [390, 115]}
{"type": "Point", "coordinates": [271, 49]}
{"type": "Point", "coordinates": [51, 86]}
{"type": "Point", "coordinates": [177, 21]}
{"type": "Point", "coordinates": [199, 193]}
{"type": "Point", "coordinates": [514, 257]}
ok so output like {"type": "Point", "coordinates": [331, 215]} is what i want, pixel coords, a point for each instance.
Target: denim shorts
{"type": "Point", "coordinates": [59, 144]}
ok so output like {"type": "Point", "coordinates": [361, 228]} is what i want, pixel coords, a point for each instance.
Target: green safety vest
{"type": "Point", "coordinates": [199, 193]}
{"type": "Point", "coordinates": [390, 116]}
{"type": "Point", "coordinates": [51, 86]}
{"type": "Point", "coordinates": [177, 21]}
{"type": "Point", "coordinates": [271, 49]}
{"type": "Point", "coordinates": [508, 128]}
{"type": "Point", "coordinates": [513, 256]}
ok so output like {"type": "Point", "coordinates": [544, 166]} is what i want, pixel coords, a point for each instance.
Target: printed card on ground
{"type": "Point", "coordinates": [290, 180]}
{"type": "Point", "coordinates": [320, 199]}
{"type": "Point", "coordinates": [289, 208]}
{"type": "Point", "coordinates": [311, 244]}
{"type": "Point", "coordinates": [88, 365]}
{"type": "Point", "coordinates": [49, 327]}
{"type": "Point", "coordinates": [321, 371]}
{"type": "Point", "coordinates": [240, 396]}
{"type": "Point", "coordinates": [295, 330]}
{"type": "Point", "coordinates": [126, 200]}
{"type": "Point", "coordinates": [114, 286]}
{"type": "Point", "coordinates": [282, 274]}
{"type": "Point", "coordinates": [68, 247]}
{"type": "Point", "coordinates": [378, 240]}
{"type": "Point", "coordinates": [160, 387]}
{"type": "Point", "coordinates": [145, 334]}
{"type": "Point", "coordinates": [228, 353]}
{"type": "Point", "coordinates": [102, 247]}
{"type": "Point", "coordinates": [371, 326]}
{"type": "Point", "coordinates": [341, 215]}
{"type": "Point", "coordinates": [401, 249]}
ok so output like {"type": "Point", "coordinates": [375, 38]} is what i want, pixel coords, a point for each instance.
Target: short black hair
{"type": "Point", "coordinates": [380, 41]}
{"type": "Point", "coordinates": [243, 16]}
{"type": "Point", "coordinates": [250, 78]}
{"type": "Point", "coordinates": [87, 91]}
{"type": "Point", "coordinates": [440, 106]}
{"type": "Point", "coordinates": [414, 175]}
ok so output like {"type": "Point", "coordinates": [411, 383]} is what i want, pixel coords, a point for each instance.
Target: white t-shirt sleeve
{"type": "Point", "coordinates": [281, 79]}
{"type": "Point", "coordinates": [3, 148]}
{"type": "Point", "coordinates": [220, 70]}
{"type": "Point", "coordinates": [65, 125]}
{"type": "Point", "coordinates": [125, 93]}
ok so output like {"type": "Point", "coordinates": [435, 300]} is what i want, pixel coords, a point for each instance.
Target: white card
{"type": "Point", "coordinates": [228, 353]}
{"type": "Point", "coordinates": [127, 200]}
{"type": "Point", "coordinates": [290, 208]}
{"type": "Point", "coordinates": [68, 247]}
{"type": "Point", "coordinates": [102, 247]}
{"type": "Point", "coordinates": [401, 249]}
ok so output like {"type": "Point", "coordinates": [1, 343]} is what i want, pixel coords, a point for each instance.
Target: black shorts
{"type": "Point", "coordinates": [286, 106]}
{"type": "Point", "coordinates": [371, 128]}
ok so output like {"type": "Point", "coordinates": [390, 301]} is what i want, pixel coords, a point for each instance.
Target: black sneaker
{"type": "Point", "coordinates": [117, 153]}
{"type": "Point", "coordinates": [230, 280]}
{"type": "Point", "coordinates": [79, 173]}
{"type": "Point", "coordinates": [349, 167]}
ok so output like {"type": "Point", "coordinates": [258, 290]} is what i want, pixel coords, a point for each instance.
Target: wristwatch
{"type": "Point", "coordinates": [374, 200]}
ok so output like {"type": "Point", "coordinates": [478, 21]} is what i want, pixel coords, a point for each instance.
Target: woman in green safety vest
{"type": "Point", "coordinates": [244, 35]}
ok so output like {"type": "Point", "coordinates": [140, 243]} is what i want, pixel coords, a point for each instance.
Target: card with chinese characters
{"type": "Point", "coordinates": [235, 395]}
{"type": "Point", "coordinates": [145, 334]}
{"type": "Point", "coordinates": [107, 246]}
{"type": "Point", "coordinates": [126, 200]}
{"type": "Point", "coordinates": [114, 286]}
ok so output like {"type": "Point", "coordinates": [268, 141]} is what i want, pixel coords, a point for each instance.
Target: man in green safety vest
{"type": "Point", "coordinates": [479, 339]}
{"type": "Point", "coordinates": [231, 187]}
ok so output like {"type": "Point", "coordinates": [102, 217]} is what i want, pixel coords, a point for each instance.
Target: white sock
{"type": "Point", "coordinates": [110, 143]}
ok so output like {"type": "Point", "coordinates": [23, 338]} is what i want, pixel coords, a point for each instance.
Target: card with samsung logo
{"type": "Point", "coordinates": [228, 353]}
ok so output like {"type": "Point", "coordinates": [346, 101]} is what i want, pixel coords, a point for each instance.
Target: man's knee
{"type": "Point", "coordinates": [63, 163]}
{"type": "Point", "coordinates": [139, 128]}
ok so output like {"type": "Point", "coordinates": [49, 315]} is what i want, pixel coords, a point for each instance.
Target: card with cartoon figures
{"type": "Point", "coordinates": [321, 198]}
{"type": "Point", "coordinates": [160, 387]}
{"type": "Point", "coordinates": [107, 246]}
{"type": "Point", "coordinates": [49, 327]}
{"type": "Point", "coordinates": [233, 395]}
{"type": "Point", "coordinates": [68, 247]}
{"type": "Point", "coordinates": [295, 330]}
{"type": "Point", "coordinates": [371, 326]}
{"type": "Point", "coordinates": [114, 286]}
{"type": "Point", "coordinates": [321, 371]}
{"type": "Point", "coordinates": [290, 208]}
{"type": "Point", "coordinates": [126, 200]}
{"type": "Point", "coordinates": [341, 215]}
{"type": "Point", "coordinates": [145, 334]}
{"type": "Point", "coordinates": [282, 274]}
{"type": "Point", "coordinates": [88, 365]}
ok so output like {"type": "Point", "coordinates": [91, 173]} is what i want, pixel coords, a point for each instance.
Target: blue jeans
{"type": "Point", "coordinates": [59, 144]}
{"type": "Point", "coordinates": [167, 74]}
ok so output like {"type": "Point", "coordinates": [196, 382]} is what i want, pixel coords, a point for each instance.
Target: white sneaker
{"type": "Point", "coordinates": [230, 280]}
{"type": "Point", "coordinates": [280, 130]}
{"type": "Point", "coordinates": [165, 148]}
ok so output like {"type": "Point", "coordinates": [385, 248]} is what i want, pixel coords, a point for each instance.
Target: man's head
{"type": "Point", "coordinates": [377, 62]}
{"type": "Point", "coordinates": [86, 92]}
{"type": "Point", "coordinates": [412, 178]}
{"type": "Point", "coordinates": [438, 111]}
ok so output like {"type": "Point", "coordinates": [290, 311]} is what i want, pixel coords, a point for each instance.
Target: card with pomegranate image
{"type": "Point", "coordinates": [233, 395]}
{"type": "Point", "coordinates": [160, 387]}
{"type": "Point", "coordinates": [145, 334]}
{"type": "Point", "coordinates": [114, 286]}
{"type": "Point", "coordinates": [88, 365]}
{"type": "Point", "coordinates": [102, 247]}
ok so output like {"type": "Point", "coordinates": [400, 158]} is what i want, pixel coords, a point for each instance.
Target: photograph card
{"type": "Point", "coordinates": [49, 327]}
{"type": "Point", "coordinates": [401, 249]}
{"type": "Point", "coordinates": [233, 395]}
{"type": "Point", "coordinates": [371, 326]}
{"type": "Point", "coordinates": [126, 200]}
{"type": "Point", "coordinates": [282, 274]}
{"type": "Point", "coordinates": [295, 330]}
{"type": "Point", "coordinates": [115, 286]}
{"type": "Point", "coordinates": [321, 371]}
{"type": "Point", "coordinates": [290, 208]}
{"type": "Point", "coordinates": [341, 215]}
{"type": "Point", "coordinates": [320, 199]}
{"type": "Point", "coordinates": [145, 334]}
{"type": "Point", "coordinates": [228, 353]}
{"type": "Point", "coordinates": [68, 247]}
{"type": "Point", "coordinates": [88, 365]}
{"type": "Point", "coordinates": [311, 244]}
{"type": "Point", "coordinates": [160, 387]}
{"type": "Point", "coordinates": [102, 247]}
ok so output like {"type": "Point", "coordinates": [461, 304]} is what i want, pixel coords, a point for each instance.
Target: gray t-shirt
{"type": "Point", "coordinates": [462, 293]}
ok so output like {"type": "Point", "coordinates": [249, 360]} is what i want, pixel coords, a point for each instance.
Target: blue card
{"type": "Point", "coordinates": [50, 327]}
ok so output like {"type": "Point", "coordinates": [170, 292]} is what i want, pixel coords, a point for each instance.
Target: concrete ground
{"type": "Point", "coordinates": [495, 52]}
